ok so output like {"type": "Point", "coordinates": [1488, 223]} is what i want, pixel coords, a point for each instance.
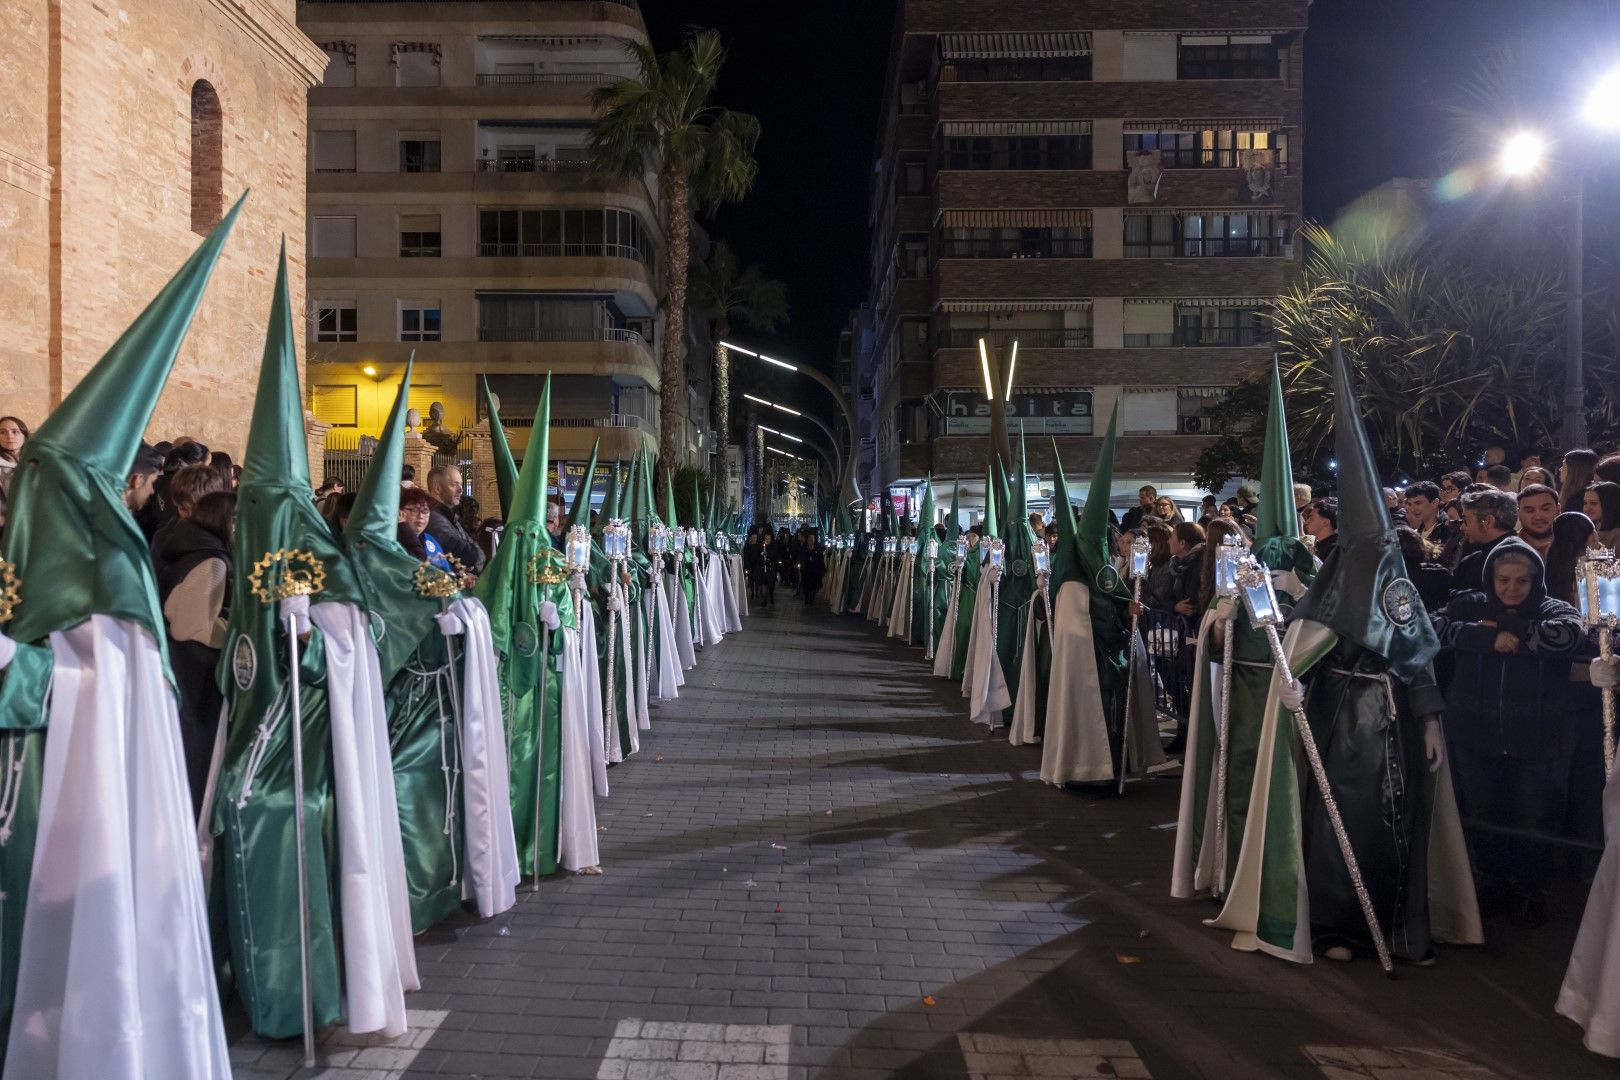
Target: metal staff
{"type": "Point", "coordinates": [1140, 549]}
{"type": "Point", "coordinates": [997, 555]}
{"type": "Point", "coordinates": [1599, 597]}
{"type": "Point", "coordinates": [297, 573]}
{"type": "Point", "coordinates": [1254, 584]}
{"type": "Point", "coordinates": [1226, 586]}
{"type": "Point", "coordinates": [931, 553]}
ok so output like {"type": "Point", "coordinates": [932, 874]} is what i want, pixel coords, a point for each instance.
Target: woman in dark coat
{"type": "Point", "coordinates": [812, 566]}
{"type": "Point", "coordinates": [1507, 718]}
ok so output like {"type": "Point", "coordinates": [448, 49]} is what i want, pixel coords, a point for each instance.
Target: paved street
{"type": "Point", "coordinates": [818, 868]}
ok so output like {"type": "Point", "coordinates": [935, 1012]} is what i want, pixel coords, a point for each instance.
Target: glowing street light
{"type": "Point", "coordinates": [772, 404]}
{"type": "Point", "coordinates": [1523, 154]}
{"type": "Point", "coordinates": [846, 467]}
{"type": "Point", "coordinates": [785, 435]}
{"type": "Point", "coordinates": [1012, 365]}
{"type": "Point", "coordinates": [984, 362]}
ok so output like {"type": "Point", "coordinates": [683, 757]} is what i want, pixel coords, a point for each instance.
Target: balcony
{"type": "Point", "coordinates": [561, 251]}
{"type": "Point", "coordinates": [568, 78]}
{"type": "Point", "coordinates": [532, 165]}
{"type": "Point", "coordinates": [560, 333]}
{"type": "Point", "coordinates": [1015, 249]}
{"type": "Point", "coordinates": [968, 338]}
{"type": "Point", "coordinates": [1210, 247]}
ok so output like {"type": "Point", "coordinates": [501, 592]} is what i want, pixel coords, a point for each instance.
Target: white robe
{"type": "Point", "coordinates": [1591, 992]}
{"type": "Point", "coordinates": [945, 654]}
{"type": "Point", "coordinates": [379, 959]}
{"type": "Point", "coordinates": [1076, 749]}
{"type": "Point", "coordinates": [680, 611]}
{"type": "Point", "coordinates": [116, 975]}
{"type": "Point", "coordinates": [576, 814]}
{"type": "Point", "coordinates": [710, 588]}
{"type": "Point", "coordinates": [603, 741]}
{"type": "Point", "coordinates": [1193, 872]}
{"type": "Point", "coordinates": [662, 627]}
{"type": "Point", "coordinates": [1022, 730]}
{"type": "Point", "coordinates": [900, 606]}
{"type": "Point", "coordinates": [984, 684]}
{"type": "Point", "coordinates": [733, 595]}
{"type": "Point", "coordinates": [492, 874]}
{"type": "Point", "coordinates": [833, 588]}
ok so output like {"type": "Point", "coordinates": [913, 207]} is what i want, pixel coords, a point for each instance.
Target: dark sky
{"type": "Point", "coordinates": [1382, 77]}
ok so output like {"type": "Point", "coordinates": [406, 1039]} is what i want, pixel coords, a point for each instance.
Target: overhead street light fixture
{"type": "Point", "coordinates": [984, 362]}
{"type": "Point", "coordinates": [728, 346]}
{"type": "Point", "coordinates": [848, 409]}
{"type": "Point", "coordinates": [784, 434]}
{"type": "Point", "coordinates": [772, 404]}
{"type": "Point", "coordinates": [1012, 366]}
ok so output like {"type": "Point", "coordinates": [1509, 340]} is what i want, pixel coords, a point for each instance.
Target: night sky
{"type": "Point", "coordinates": [1383, 78]}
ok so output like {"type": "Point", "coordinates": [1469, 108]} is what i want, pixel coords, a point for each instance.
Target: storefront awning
{"type": "Point", "coordinates": [1187, 125]}
{"type": "Point", "coordinates": [1013, 46]}
{"type": "Point", "coordinates": [969, 128]}
{"type": "Point", "coordinates": [1015, 219]}
{"type": "Point", "coordinates": [1063, 304]}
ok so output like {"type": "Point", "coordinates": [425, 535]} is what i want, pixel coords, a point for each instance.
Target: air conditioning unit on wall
{"type": "Point", "coordinates": [1192, 425]}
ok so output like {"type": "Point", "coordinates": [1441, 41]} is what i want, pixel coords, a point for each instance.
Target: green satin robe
{"type": "Point", "coordinates": [24, 690]}
{"type": "Point", "coordinates": [534, 735]}
{"type": "Point", "coordinates": [964, 612]}
{"type": "Point", "coordinates": [423, 739]}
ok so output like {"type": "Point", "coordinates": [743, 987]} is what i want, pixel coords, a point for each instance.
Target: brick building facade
{"type": "Point", "coordinates": [1115, 186]}
{"type": "Point", "coordinates": [125, 130]}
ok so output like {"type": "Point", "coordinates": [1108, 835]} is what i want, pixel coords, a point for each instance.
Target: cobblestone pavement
{"type": "Point", "coordinates": [816, 867]}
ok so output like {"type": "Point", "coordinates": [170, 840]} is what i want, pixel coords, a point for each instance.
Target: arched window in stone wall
{"type": "Point", "coordinates": [207, 157]}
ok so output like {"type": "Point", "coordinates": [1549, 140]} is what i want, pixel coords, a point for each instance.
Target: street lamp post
{"type": "Point", "coordinates": [828, 385]}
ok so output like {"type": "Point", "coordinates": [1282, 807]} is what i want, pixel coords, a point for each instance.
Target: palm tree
{"type": "Point", "coordinates": [730, 297]}
{"type": "Point", "coordinates": [662, 120]}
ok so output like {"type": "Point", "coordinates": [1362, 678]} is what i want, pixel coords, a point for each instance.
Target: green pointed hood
{"type": "Point", "coordinates": [1066, 555]}
{"type": "Point", "coordinates": [384, 569]}
{"type": "Point", "coordinates": [992, 523]}
{"type": "Point", "coordinates": [669, 499]}
{"type": "Point", "coordinates": [76, 549]}
{"type": "Point", "coordinates": [505, 467]}
{"type": "Point", "coordinates": [846, 524]}
{"type": "Point", "coordinates": [1362, 592]}
{"type": "Point", "coordinates": [1276, 533]}
{"type": "Point", "coordinates": [376, 506]}
{"type": "Point", "coordinates": [925, 524]}
{"type": "Point", "coordinates": [610, 497]}
{"type": "Point", "coordinates": [529, 497]}
{"type": "Point", "coordinates": [1091, 537]}
{"type": "Point", "coordinates": [632, 491]}
{"type": "Point", "coordinates": [1019, 483]}
{"type": "Point", "coordinates": [580, 512]}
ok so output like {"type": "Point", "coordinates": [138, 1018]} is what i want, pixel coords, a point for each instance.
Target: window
{"type": "Point", "coordinates": [339, 63]}
{"type": "Point", "coordinates": [1070, 242]}
{"type": "Point", "coordinates": [914, 257]}
{"type": "Point", "coordinates": [419, 151]}
{"type": "Point", "coordinates": [1019, 69]}
{"type": "Point", "coordinates": [1231, 56]}
{"type": "Point", "coordinates": [333, 151]}
{"type": "Point", "coordinates": [416, 63]}
{"type": "Point", "coordinates": [913, 421]}
{"type": "Point", "coordinates": [1147, 412]}
{"type": "Point", "coordinates": [336, 320]}
{"type": "Point", "coordinates": [530, 233]}
{"type": "Point", "coordinates": [1202, 325]}
{"type": "Point", "coordinates": [547, 317]}
{"type": "Point", "coordinates": [418, 320]}
{"type": "Point", "coordinates": [207, 158]}
{"type": "Point", "coordinates": [1018, 152]}
{"type": "Point", "coordinates": [914, 177]}
{"type": "Point", "coordinates": [1212, 148]}
{"type": "Point", "coordinates": [335, 405]}
{"type": "Point", "coordinates": [419, 236]}
{"type": "Point", "coordinates": [1069, 329]}
{"type": "Point", "coordinates": [1193, 407]}
{"type": "Point", "coordinates": [333, 237]}
{"type": "Point", "coordinates": [1150, 236]}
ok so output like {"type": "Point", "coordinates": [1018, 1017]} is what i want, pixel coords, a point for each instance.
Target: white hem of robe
{"type": "Point", "coordinates": [1076, 748]}
{"type": "Point", "coordinates": [576, 803]}
{"type": "Point", "coordinates": [115, 975]}
{"type": "Point", "coordinates": [379, 960]}
{"type": "Point", "coordinates": [603, 743]}
{"type": "Point", "coordinates": [984, 684]}
{"type": "Point", "coordinates": [945, 652]}
{"type": "Point", "coordinates": [492, 874]}
{"type": "Point", "coordinates": [1192, 873]}
{"type": "Point", "coordinates": [1021, 732]}
{"type": "Point", "coordinates": [681, 613]}
{"type": "Point", "coordinates": [1590, 994]}
{"type": "Point", "coordinates": [670, 678]}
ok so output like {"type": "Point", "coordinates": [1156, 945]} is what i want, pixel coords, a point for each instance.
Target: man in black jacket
{"type": "Point", "coordinates": [444, 484]}
{"type": "Point", "coordinates": [1489, 517]}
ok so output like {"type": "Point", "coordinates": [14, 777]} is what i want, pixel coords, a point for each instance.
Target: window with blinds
{"type": "Point", "coordinates": [335, 405]}
{"type": "Point", "coordinates": [419, 236]}
{"type": "Point", "coordinates": [333, 237]}
{"type": "Point", "coordinates": [333, 151]}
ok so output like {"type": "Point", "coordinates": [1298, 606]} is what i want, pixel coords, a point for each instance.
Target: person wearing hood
{"type": "Point", "coordinates": [194, 588]}
{"type": "Point", "coordinates": [1506, 721]}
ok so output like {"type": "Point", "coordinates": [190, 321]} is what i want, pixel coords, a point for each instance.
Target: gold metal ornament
{"type": "Point", "coordinates": [437, 584]}
{"type": "Point", "coordinates": [10, 590]}
{"type": "Point", "coordinates": [287, 572]}
{"type": "Point", "coordinates": [546, 567]}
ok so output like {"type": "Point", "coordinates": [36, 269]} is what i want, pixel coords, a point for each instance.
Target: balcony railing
{"type": "Point", "coordinates": [1073, 338]}
{"type": "Point", "coordinates": [565, 251]}
{"type": "Point", "coordinates": [614, 420]}
{"type": "Point", "coordinates": [420, 251]}
{"type": "Point", "coordinates": [559, 333]}
{"type": "Point", "coordinates": [533, 165]}
{"type": "Point", "coordinates": [1015, 249]}
{"type": "Point", "coordinates": [555, 78]}
{"type": "Point", "coordinates": [1201, 337]}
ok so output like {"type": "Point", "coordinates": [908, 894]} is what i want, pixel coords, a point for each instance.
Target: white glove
{"type": "Point", "coordinates": [1606, 673]}
{"type": "Point", "coordinates": [296, 608]}
{"type": "Point", "coordinates": [8, 649]}
{"type": "Point", "coordinates": [614, 603]}
{"type": "Point", "coordinates": [1226, 608]}
{"type": "Point", "coordinates": [450, 623]}
{"type": "Point", "coordinates": [1292, 696]}
{"type": "Point", "coordinates": [549, 616]}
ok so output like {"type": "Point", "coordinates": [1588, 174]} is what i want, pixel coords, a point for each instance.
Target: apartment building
{"type": "Point", "coordinates": [454, 214]}
{"type": "Point", "coordinates": [1115, 186]}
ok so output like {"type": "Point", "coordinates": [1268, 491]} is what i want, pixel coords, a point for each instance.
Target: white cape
{"type": "Point", "coordinates": [945, 654]}
{"type": "Point", "coordinates": [1192, 871]}
{"type": "Point", "coordinates": [983, 682]}
{"type": "Point", "coordinates": [734, 593]}
{"type": "Point", "coordinates": [1022, 730]}
{"type": "Point", "coordinates": [834, 587]}
{"type": "Point", "coordinates": [486, 795]}
{"type": "Point", "coordinates": [681, 612]}
{"type": "Point", "coordinates": [576, 813]}
{"type": "Point", "coordinates": [379, 961]}
{"type": "Point", "coordinates": [1591, 990]}
{"type": "Point", "coordinates": [900, 606]}
{"type": "Point", "coordinates": [116, 975]}
{"type": "Point", "coordinates": [712, 603]}
{"type": "Point", "coordinates": [661, 633]}
{"type": "Point", "coordinates": [602, 741]}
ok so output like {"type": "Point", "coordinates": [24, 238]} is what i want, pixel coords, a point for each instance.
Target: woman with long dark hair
{"type": "Point", "coordinates": [1572, 536]}
{"type": "Point", "coordinates": [1601, 503]}
{"type": "Point", "coordinates": [1575, 475]}
{"type": "Point", "coordinates": [13, 436]}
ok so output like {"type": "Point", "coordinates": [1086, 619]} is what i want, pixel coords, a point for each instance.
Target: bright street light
{"type": "Point", "coordinates": [734, 348]}
{"type": "Point", "coordinates": [772, 404]}
{"type": "Point", "coordinates": [984, 362]}
{"type": "Point", "coordinates": [784, 434]}
{"type": "Point", "coordinates": [1522, 154]}
{"type": "Point", "coordinates": [1012, 365]}
{"type": "Point", "coordinates": [1603, 103]}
